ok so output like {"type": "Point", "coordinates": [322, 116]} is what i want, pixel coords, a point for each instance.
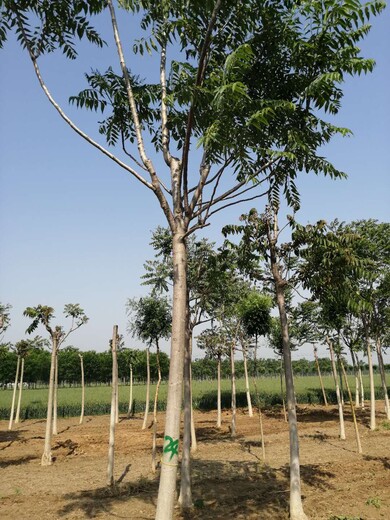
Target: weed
{"type": "Point", "coordinates": [374, 501]}
{"type": "Point", "coordinates": [385, 425]}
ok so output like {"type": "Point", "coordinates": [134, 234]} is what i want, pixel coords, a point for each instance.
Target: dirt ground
{"type": "Point", "coordinates": [230, 479]}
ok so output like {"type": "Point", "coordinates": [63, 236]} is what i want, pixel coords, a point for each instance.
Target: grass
{"type": "Point", "coordinates": [98, 398]}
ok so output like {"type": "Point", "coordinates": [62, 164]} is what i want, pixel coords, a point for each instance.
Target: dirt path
{"type": "Point", "coordinates": [230, 480]}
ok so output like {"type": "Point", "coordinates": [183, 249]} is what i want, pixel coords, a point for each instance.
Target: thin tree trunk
{"type": "Point", "coordinates": [260, 419]}
{"type": "Point", "coordinates": [114, 389]}
{"type": "Point", "coordinates": [340, 375]}
{"type": "Point", "coordinates": [194, 443]}
{"type": "Point", "coordinates": [131, 392]}
{"type": "Point", "coordinates": [361, 384]}
{"type": "Point", "coordinates": [169, 461]}
{"type": "Point", "coordinates": [117, 393]}
{"type": "Point", "coordinates": [55, 397]}
{"type": "Point", "coordinates": [359, 446]}
{"type": "Point", "coordinates": [144, 424]}
{"type": "Point", "coordinates": [82, 389]}
{"type": "Point", "coordinates": [356, 372]}
{"type": "Point", "coordinates": [282, 390]}
{"type": "Point", "coordinates": [296, 507]}
{"type": "Point", "coordinates": [372, 387]}
{"type": "Point", "coordinates": [247, 389]}
{"type": "Point", "coordinates": [383, 377]}
{"type": "Point", "coordinates": [154, 447]}
{"type": "Point", "coordinates": [17, 418]}
{"type": "Point", "coordinates": [46, 457]}
{"type": "Point", "coordinates": [233, 382]}
{"type": "Point", "coordinates": [340, 406]}
{"type": "Point", "coordinates": [320, 375]}
{"type": "Point", "coordinates": [185, 497]}
{"type": "Point", "coordinates": [219, 407]}
{"type": "Point", "coordinates": [11, 418]}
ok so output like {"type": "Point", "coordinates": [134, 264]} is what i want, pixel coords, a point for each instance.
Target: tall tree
{"type": "Point", "coordinates": [43, 315]}
{"type": "Point", "coordinates": [225, 97]}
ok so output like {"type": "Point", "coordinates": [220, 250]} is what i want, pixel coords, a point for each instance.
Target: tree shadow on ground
{"type": "Point", "coordinates": [237, 489]}
{"type": "Point", "coordinates": [312, 416]}
{"type": "Point", "coordinates": [93, 502]}
{"type": "Point", "coordinates": [214, 434]}
{"type": "Point", "coordinates": [9, 437]}
{"type": "Point", "coordinates": [384, 460]}
{"type": "Point", "coordinates": [312, 475]}
{"type": "Point", "coordinates": [17, 462]}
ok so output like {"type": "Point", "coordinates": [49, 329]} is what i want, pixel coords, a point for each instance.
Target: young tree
{"type": "Point", "coordinates": [82, 389]}
{"type": "Point", "coordinates": [150, 320]}
{"type": "Point", "coordinates": [248, 126]}
{"type": "Point", "coordinates": [43, 315]}
{"type": "Point", "coordinates": [114, 407]}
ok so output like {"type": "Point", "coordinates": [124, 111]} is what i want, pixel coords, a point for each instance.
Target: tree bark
{"type": "Point", "coordinates": [117, 393]}
{"type": "Point", "coordinates": [282, 391]}
{"type": "Point", "coordinates": [17, 418]}
{"type": "Point", "coordinates": [114, 389]}
{"type": "Point", "coordinates": [219, 407]}
{"type": "Point", "coordinates": [55, 396]}
{"type": "Point", "coordinates": [233, 383]}
{"type": "Point", "coordinates": [154, 447]}
{"type": "Point", "coordinates": [296, 507]}
{"type": "Point", "coordinates": [356, 372]}
{"type": "Point", "coordinates": [372, 387]}
{"type": "Point", "coordinates": [320, 375]}
{"type": "Point", "coordinates": [131, 392]}
{"type": "Point", "coordinates": [185, 497]}
{"type": "Point", "coordinates": [169, 461]}
{"type": "Point", "coordinates": [82, 389]}
{"type": "Point", "coordinates": [339, 402]}
{"type": "Point", "coordinates": [361, 384]}
{"type": "Point", "coordinates": [247, 389]}
{"type": "Point", "coordinates": [11, 418]}
{"type": "Point", "coordinates": [46, 457]}
{"type": "Point", "coordinates": [383, 377]}
{"type": "Point", "coordinates": [144, 424]}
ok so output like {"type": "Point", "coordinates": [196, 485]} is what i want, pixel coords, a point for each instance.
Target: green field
{"type": "Point", "coordinates": [98, 398]}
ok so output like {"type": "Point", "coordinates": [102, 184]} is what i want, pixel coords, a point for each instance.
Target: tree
{"type": "Point", "coordinates": [4, 318]}
{"type": "Point", "coordinates": [114, 407]}
{"type": "Point", "coordinates": [256, 129]}
{"type": "Point", "coordinates": [43, 315]}
{"type": "Point", "coordinates": [151, 321]}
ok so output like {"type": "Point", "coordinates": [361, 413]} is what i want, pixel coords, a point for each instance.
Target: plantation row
{"type": "Point", "coordinates": [97, 402]}
{"type": "Point", "coordinates": [98, 366]}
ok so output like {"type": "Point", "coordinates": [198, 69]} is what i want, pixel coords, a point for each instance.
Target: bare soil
{"type": "Point", "coordinates": [230, 479]}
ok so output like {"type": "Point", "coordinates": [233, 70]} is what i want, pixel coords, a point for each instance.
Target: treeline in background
{"type": "Point", "coordinates": [98, 367]}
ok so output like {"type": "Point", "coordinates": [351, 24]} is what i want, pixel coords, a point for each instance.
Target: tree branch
{"type": "Point", "coordinates": [198, 82]}
{"type": "Point", "coordinates": [164, 116]}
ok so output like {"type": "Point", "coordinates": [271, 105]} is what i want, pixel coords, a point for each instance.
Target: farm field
{"type": "Point", "coordinates": [98, 398]}
{"type": "Point", "coordinates": [230, 480]}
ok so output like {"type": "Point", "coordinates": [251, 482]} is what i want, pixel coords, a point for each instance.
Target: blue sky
{"type": "Point", "coordinates": [75, 228]}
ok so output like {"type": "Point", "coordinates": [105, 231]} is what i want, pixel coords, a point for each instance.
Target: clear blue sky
{"type": "Point", "coordinates": [75, 228]}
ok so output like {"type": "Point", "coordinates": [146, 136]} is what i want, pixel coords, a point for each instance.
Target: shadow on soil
{"type": "Point", "coordinates": [9, 437]}
{"type": "Point", "coordinates": [93, 502]}
{"type": "Point", "coordinates": [17, 462]}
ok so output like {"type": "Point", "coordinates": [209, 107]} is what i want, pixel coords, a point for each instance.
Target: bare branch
{"type": "Point", "coordinates": [198, 83]}
{"type": "Point", "coordinates": [164, 117]}
{"type": "Point", "coordinates": [238, 202]}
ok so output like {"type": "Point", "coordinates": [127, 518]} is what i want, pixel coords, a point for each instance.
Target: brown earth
{"type": "Point", "coordinates": [230, 480]}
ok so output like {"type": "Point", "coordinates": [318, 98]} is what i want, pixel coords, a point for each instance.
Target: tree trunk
{"type": "Point", "coordinates": [296, 508]}
{"type": "Point", "coordinates": [82, 389]}
{"type": "Point", "coordinates": [320, 375]}
{"type": "Point", "coordinates": [154, 448]}
{"type": "Point", "coordinates": [114, 389]}
{"type": "Point", "coordinates": [339, 402]}
{"type": "Point", "coordinates": [361, 383]}
{"type": "Point", "coordinates": [260, 420]}
{"type": "Point", "coordinates": [144, 424]}
{"type": "Point", "coordinates": [247, 389]}
{"type": "Point", "coordinates": [117, 393]}
{"type": "Point", "coordinates": [46, 457]}
{"type": "Point", "coordinates": [383, 377]}
{"type": "Point", "coordinates": [194, 443]}
{"type": "Point", "coordinates": [219, 407]}
{"type": "Point", "coordinates": [233, 382]}
{"type": "Point", "coordinates": [372, 387]}
{"type": "Point", "coordinates": [55, 397]}
{"type": "Point", "coordinates": [131, 392]}
{"type": "Point", "coordinates": [282, 391]}
{"type": "Point", "coordinates": [359, 446]}
{"type": "Point", "coordinates": [11, 418]}
{"type": "Point", "coordinates": [356, 372]}
{"type": "Point", "coordinates": [169, 461]}
{"type": "Point", "coordinates": [185, 497]}
{"type": "Point", "coordinates": [17, 418]}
